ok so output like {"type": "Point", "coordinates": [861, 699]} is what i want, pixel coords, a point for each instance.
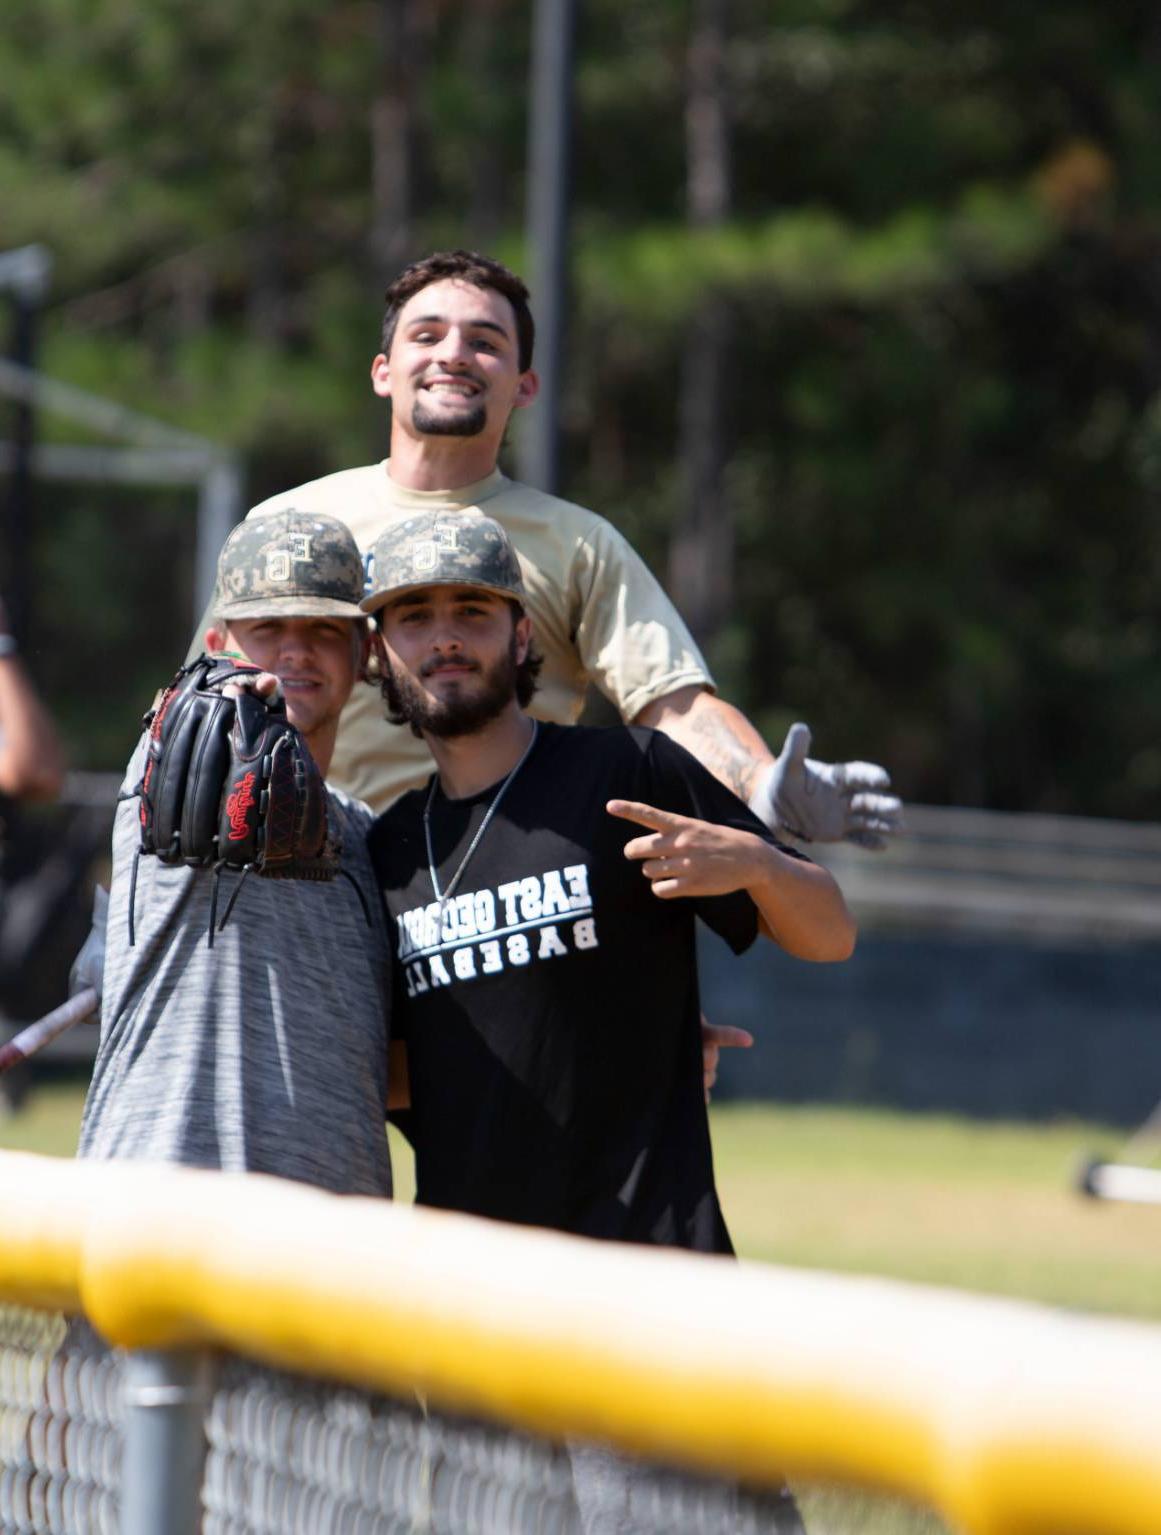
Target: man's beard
{"type": "Point", "coordinates": [468, 423]}
{"type": "Point", "coordinates": [460, 714]}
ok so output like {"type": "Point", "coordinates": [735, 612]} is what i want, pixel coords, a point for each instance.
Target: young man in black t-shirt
{"type": "Point", "coordinates": [543, 891]}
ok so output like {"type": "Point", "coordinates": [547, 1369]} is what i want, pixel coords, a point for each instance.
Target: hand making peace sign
{"type": "Point", "coordinates": [799, 905]}
{"type": "Point", "coordinates": [682, 856]}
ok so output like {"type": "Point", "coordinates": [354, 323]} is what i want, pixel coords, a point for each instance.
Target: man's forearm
{"type": "Point", "coordinates": [719, 736]}
{"type": "Point", "coordinates": [31, 761]}
{"type": "Point", "coordinates": [791, 793]}
{"type": "Point", "coordinates": [801, 908]}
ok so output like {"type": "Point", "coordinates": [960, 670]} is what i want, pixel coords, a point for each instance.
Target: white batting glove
{"type": "Point", "coordinates": [88, 969]}
{"type": "Point", "coordinates": [826, 801]}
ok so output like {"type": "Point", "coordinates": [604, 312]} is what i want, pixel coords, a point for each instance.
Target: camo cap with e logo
{"type": "Point", "coordinates": [293, 564]}
{"type": "Point", "coordinates": [443, 549]}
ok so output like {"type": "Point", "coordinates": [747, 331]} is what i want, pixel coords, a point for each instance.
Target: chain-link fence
{"type": "Point", "coordinates": [287, 1455]}
{"type": "Point", "coordinates": [60, 1428]}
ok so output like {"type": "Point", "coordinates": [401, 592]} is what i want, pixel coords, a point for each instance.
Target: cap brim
{"type": "Point", "coordinates": [290, 607]}
{"type": "Point", "coordinates": [378, 600]}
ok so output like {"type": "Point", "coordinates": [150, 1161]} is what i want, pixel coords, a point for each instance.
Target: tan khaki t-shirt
{"type": "Point", "coordinates": [597, 612]}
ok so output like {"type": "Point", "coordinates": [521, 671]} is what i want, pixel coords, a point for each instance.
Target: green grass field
{"type": "Point", "coordinates": [981, 1206]}
{"type": "Point", "coordinates": [978, 1205]}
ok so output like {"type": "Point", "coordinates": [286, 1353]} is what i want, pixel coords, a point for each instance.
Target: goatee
{"type": "Point", "coordinates": [467, 423]}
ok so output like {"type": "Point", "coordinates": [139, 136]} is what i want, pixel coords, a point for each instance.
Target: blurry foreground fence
{"type": "Point", "coordinates": [287, 1361]}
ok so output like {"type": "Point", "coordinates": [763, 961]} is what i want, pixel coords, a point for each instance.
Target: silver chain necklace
{"type": "Point", "coordinates": [444, 896]}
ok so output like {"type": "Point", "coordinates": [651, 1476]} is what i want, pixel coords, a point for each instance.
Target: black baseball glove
{"type": "Point", "coordinates": [229, 783]}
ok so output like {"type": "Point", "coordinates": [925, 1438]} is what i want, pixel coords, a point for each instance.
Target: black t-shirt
{"type": "Point", "coordinates": [552, 1019]}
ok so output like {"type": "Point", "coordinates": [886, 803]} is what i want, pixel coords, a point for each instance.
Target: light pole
{"type": "Point", "coordinates": [546, 225]}
{"type": "Point", "coordinates": [25, 273]}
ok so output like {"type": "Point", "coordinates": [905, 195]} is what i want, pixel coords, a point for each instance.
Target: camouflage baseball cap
{"type": "Point", "coordinates": [443, 549]}
{"type": "Point", "coordinates": [290, 564]}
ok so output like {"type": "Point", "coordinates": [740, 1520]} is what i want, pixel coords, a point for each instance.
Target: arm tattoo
{"type": "Point", "coordinates": [717, 747]}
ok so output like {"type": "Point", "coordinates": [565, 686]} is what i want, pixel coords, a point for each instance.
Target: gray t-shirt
{"type": "Point", "coordinates": [265, 1053]}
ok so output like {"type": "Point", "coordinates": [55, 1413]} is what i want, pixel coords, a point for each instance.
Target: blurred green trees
{"type": "Point", "coordinates": [938, 268]}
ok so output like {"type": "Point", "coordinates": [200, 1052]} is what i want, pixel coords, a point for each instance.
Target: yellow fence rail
{"type": "Point", "coordinates": [1009, 1419]}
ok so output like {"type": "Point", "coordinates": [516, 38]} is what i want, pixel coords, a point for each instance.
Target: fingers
{"type": "Point", "coordinates": [873, 841]}
{"type": "Point", "coordinates": [796, 746]}
{"type": "Point", "coordinates": [264, 684]}
{"type": "Point", "coordinates": [715, 1038]}
{"type": "Point", "coordinates": [644, 815]}
{"type": "Point", "coordinates": [648, 847]}
{"type": "Point", "coordinates": [663, 824]}
{"type": "Point", "coordinates": [710, 1054]}
{"type": "Point", "coordinates": [671, 866]}
{"type": "Point", "coordinates": [885, 806]}
{"type": "Point", "coordinates": [709, 1068]}
{"type": "Point", "coordinates": [874, 818]}
{"type": "Point", "coordinates": [859, 775]}
{"type": "Point", "coordinates": [670, 876]}
{"type": "Point", "coordinates": [725, 1036]}
{"type": "Point", "coordinates": [880, 816]}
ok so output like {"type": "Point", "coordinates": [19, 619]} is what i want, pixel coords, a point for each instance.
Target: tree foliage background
{"type": "Point", "coordinates": [865, 340]}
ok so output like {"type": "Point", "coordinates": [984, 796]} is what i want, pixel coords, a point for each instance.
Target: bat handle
{"type": "Point", "coordinates": [46, 1029]}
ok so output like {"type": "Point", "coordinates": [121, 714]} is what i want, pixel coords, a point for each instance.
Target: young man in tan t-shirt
{"type": "Point", "coordinates": [456, 362]}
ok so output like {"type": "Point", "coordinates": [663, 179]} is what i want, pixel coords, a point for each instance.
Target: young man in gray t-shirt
{"type": "Point", "coordinates": [267, 1051]}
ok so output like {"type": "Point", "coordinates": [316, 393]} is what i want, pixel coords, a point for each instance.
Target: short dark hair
{"type": "Point", "coordinates": [470, 267]}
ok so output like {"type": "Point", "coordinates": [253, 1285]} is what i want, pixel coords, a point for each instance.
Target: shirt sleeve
{"type": "Point", "coordinates": [681, 784]}
{"type": "Point", "coordinates": [631, 640]}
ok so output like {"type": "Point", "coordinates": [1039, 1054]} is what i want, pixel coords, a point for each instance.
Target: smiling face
{"type": "Point", "coordinates": [452, 654]}
{"type": "Point", "coordinates": [453, 368]}
{"type": "Point", "coordinates": [316, 660]}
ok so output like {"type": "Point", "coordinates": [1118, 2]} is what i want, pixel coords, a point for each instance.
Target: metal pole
{"type": "Point", "coordinates": [547, 206]}
{"type": "Point", "coordinates": [26, 272]}
{"type": "Point", "coordinates": [166, 1397]}
{"type": "Point", "coordinates": [219, 508]}
{"type": "Point", "coordinates": [18, 511]}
